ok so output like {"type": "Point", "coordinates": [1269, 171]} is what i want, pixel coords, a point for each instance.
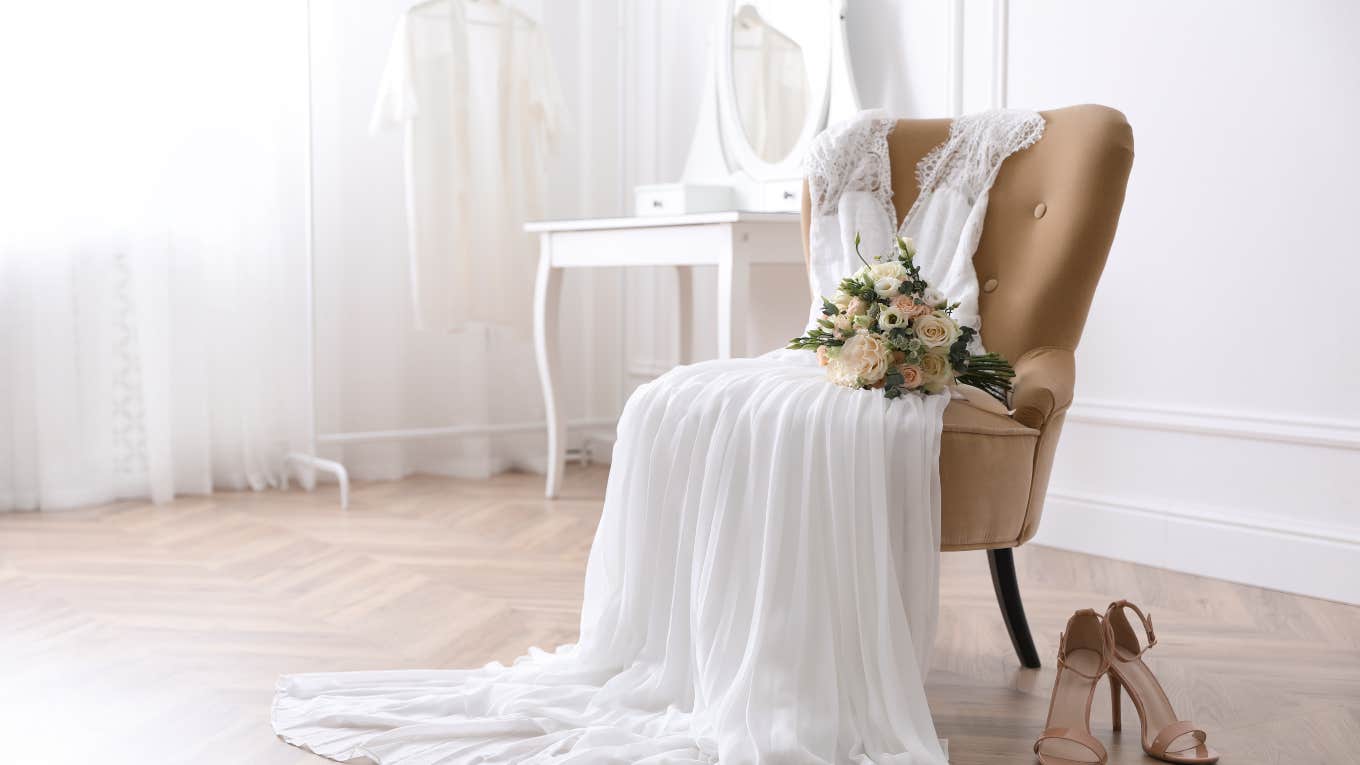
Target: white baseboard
{"type": "Point", "coordinates": [1308, 560]}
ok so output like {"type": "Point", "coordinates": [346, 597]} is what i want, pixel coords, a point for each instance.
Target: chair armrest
{"type": "Point", "coordinates": [1044, 378]}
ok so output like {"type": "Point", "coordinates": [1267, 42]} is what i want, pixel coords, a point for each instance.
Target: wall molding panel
{"type": "Point", "coordinates": [1288, 429]}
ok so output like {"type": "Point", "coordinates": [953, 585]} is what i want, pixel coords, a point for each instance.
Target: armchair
{"type": "Point", "coordinates": [1050, 221]}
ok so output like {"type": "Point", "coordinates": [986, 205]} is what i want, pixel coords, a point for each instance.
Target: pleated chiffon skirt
{"type": "Point", "coordinates": [763, 588]}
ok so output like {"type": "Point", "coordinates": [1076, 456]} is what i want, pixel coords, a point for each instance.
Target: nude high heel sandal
{"type": "Point", "coordinates": [1164, 735]}
{"type": "Point", "coordinates": [1083, 656]}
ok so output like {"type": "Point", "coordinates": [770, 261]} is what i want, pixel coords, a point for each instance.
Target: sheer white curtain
{"type": "Point", "coordinates": [152, 262]}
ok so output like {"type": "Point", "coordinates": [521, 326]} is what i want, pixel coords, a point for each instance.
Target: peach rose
{"type": "Point", "coordinates": [822, 357]}
{"type": "Point", "coordinates": [857, 307]}
{"type": "Point", "coordinates": [909, 307]}
{"type": "Point", "coordinates": [912, 376]}
{"type": "Point", "coordinates": [863, 360]}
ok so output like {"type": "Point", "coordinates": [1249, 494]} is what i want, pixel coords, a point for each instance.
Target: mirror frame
{"type": "Point", "coordinates": [736, 146]}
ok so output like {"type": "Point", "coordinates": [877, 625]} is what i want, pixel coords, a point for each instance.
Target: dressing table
{"type": "Point", "coordinates": [778, 74]}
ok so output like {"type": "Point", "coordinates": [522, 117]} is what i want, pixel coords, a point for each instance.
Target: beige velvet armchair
{"type": "Point", "coordinates": [1050, 222]}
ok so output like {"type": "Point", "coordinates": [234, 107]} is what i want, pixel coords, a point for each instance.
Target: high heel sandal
{"type": "Point", "coordinates": [1083, 656]}
{"type": "Point", "coordinates": [1164, 735]}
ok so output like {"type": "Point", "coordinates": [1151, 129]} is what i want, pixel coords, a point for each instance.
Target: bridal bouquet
{"type": "Point", "coordinates": [887, 328]}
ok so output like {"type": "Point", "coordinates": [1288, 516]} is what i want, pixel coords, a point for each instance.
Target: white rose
{"type": "Point", "coordinates": [863, 360]}
{"type": "Point", "coordinates": [841, 321]}
{"type": "Point", "coordinates": [892, 269]}
{"type": "Point", "coordinates": [887, 286]}
{"type": "Point", "coordinates": [938, 372]}
{"type": "Point", "coordinates": [933, 297]}
{"type": "Point", "coordinates": [891, 318]}
{"type": "Point", "coordinates": [841, 299]}
{"type": "Point", "coordinates": [937, 330]}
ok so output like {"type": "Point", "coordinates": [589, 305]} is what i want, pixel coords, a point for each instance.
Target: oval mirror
{"type": "Point", "coordinates": [769, 79]}
{"type": "Point", "coordinates": [774, 66]}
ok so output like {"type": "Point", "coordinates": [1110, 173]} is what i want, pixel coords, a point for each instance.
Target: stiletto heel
{"type": "Point", "coordinates": [1083, 656]}
{"type": "Point", "coordinates": [1164, 736]}
{"type": "Point", "coordinates": [1116, 723]}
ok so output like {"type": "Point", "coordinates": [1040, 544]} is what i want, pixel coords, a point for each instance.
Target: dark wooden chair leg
{"type": "Point", "coordinates": [1007, 588]}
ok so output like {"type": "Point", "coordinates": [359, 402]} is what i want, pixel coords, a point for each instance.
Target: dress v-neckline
{"type": "Point", "coordinates": [886, 172]}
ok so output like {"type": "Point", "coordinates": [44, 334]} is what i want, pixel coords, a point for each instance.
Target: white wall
{"type": "Point", "coordinates": [1217, 423]}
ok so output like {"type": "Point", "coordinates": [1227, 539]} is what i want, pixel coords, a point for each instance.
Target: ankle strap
{"type": "Point", "coordinates": [1146, 620]}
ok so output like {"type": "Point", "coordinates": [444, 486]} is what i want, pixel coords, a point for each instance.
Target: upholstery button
{"type": "Point", "coordinates": [1040, 209]}
{"type": "Point", "coordinates": [989, 285]}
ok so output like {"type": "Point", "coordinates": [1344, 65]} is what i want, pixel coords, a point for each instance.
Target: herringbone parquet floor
{"type": "Point", "coordinates": [142, 634]}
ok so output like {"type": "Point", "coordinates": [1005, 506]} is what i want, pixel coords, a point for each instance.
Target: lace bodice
{"type": "Point", "coordinates": [851, 155]}
{"type": "Point", "coordinates": [850, 182]}
{"type": "Point", "coordinates": [977, 145]}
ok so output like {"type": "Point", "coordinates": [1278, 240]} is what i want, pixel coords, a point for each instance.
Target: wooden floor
{"type": "Point", "coordinates": [143, 634]}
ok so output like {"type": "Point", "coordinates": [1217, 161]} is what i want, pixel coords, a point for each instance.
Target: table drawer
{"type": "Point", "coordinates": [680, 199]}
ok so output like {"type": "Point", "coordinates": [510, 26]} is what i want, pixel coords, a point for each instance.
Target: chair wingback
{"type": "Point", "coordinates": [1050, 222]}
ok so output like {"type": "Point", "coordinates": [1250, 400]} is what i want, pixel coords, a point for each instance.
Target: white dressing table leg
{"type": "Point", "coordinates": [734, 285]}
{"type": "Point", "coordinates": [547, 289]}
{"type": "Point", "coordinates": [684, 298]}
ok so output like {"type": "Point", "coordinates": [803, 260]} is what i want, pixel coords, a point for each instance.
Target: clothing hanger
{"type": "Point", "coordinates": [749, 17]}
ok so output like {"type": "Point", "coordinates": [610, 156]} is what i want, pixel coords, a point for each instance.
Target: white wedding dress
{"type": "Point", "coordinates": [763, 583]}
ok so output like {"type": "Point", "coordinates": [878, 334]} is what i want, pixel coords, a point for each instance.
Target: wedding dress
{"type": "Point", "coordinates": [763, 583]}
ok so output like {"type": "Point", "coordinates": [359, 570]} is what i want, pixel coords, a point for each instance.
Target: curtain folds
{"type": "Point", "coordinates": [152, 261]}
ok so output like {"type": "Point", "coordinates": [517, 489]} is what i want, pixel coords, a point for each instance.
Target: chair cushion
{"type": "Point", "coordinates": [986, 465]}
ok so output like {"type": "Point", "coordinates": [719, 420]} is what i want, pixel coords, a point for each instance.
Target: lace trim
{"type": "Point", "coordinates": [129, 416]}
{"type": "Point", "coordinates": [977, 145]}
{"type": "Point", "coordinates": [851, 156]}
